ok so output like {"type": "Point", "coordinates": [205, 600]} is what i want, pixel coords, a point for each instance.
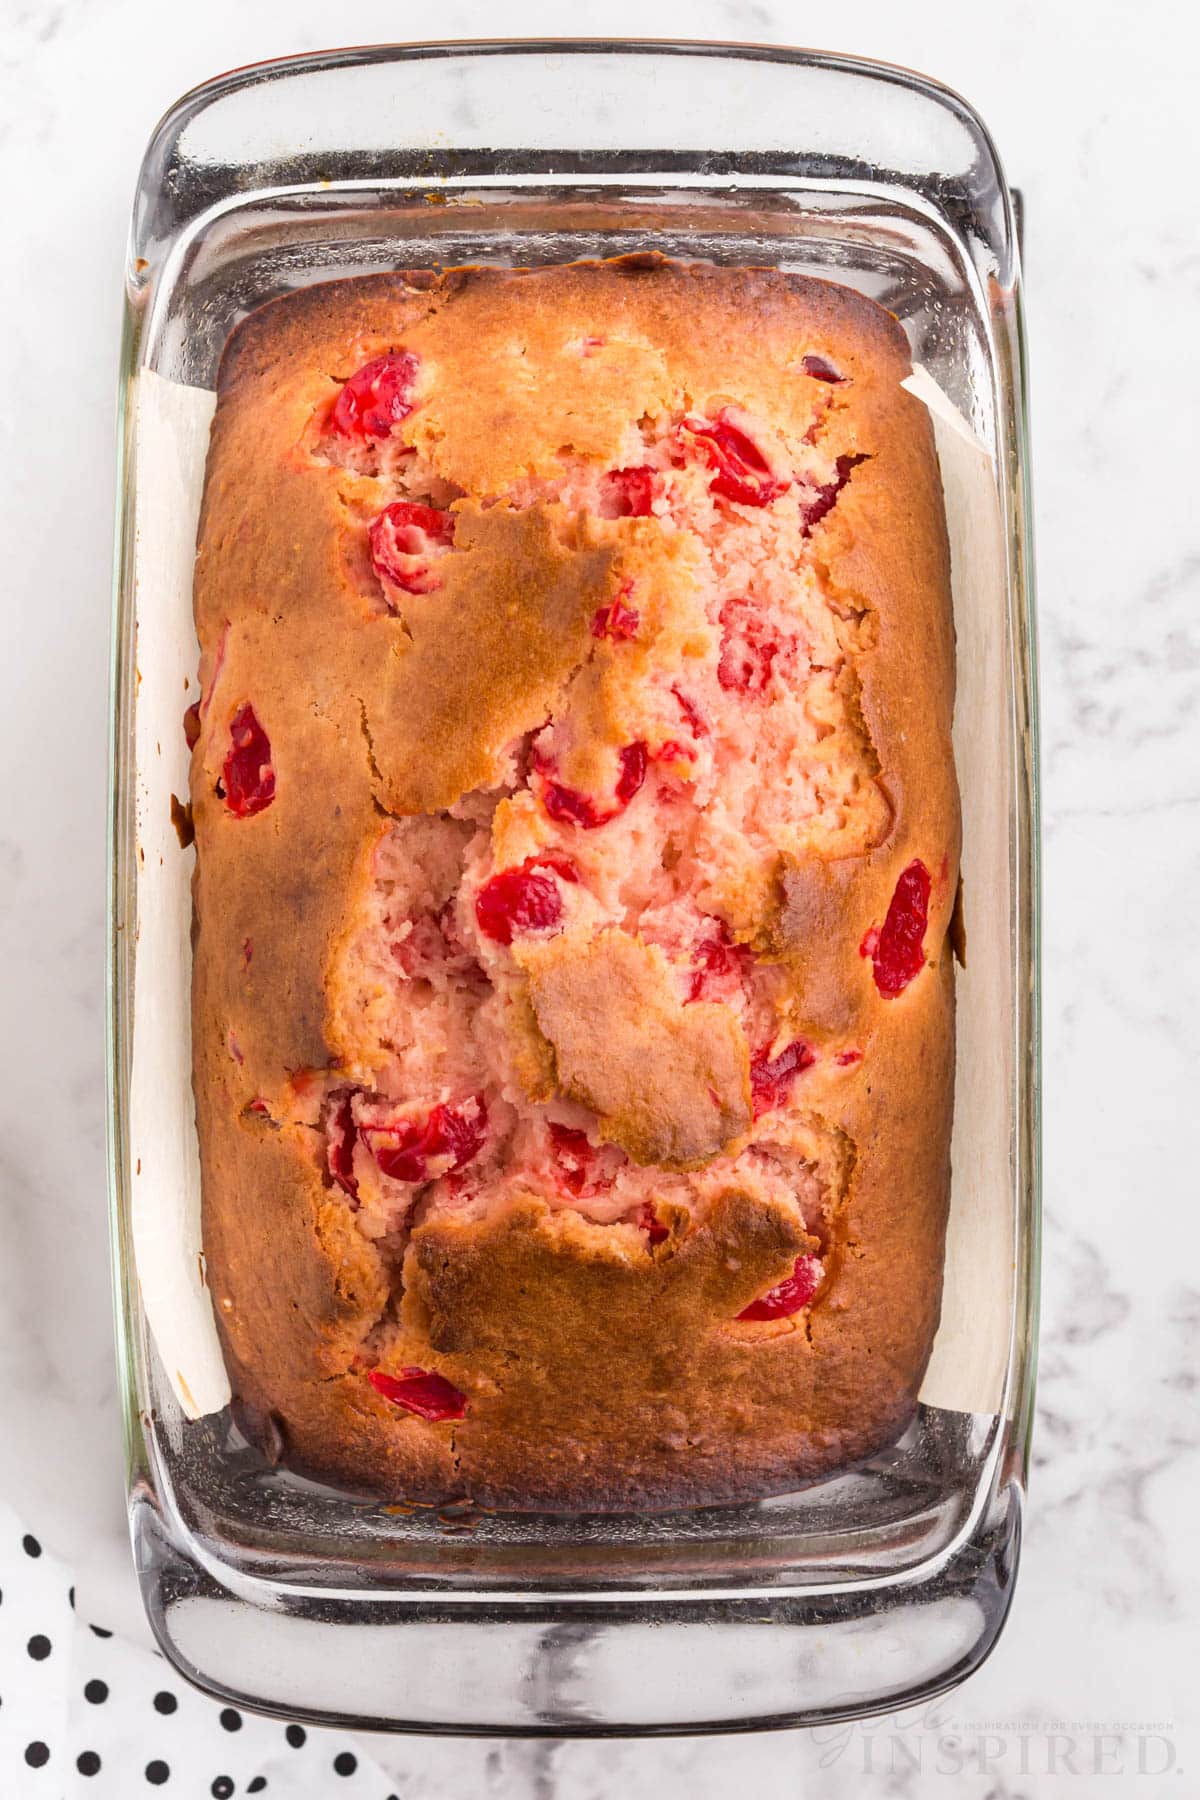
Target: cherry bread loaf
{"type": "Point", "coordinates": [577, 843]}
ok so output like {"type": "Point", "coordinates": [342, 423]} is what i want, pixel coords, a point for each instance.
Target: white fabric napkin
{"type": "Point", "coordinates": [86, 1715]}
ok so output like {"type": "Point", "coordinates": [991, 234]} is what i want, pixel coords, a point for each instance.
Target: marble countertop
{"type": "Point", "coordinates": [1093, 111]}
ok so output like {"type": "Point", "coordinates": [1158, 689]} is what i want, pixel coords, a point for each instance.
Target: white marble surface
{"type": "Point", "coordinates": [1093, 110]}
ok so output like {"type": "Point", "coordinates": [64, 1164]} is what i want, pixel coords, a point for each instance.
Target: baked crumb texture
{"type": "Point", "coordinates": [577, 843]}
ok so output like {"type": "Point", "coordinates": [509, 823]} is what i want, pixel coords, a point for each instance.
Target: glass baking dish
{"type": "Point", "coordinates": [890, 1581]}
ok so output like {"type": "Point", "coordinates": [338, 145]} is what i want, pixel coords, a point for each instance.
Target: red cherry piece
{"type": "Point", "coordinates": [844, 1058]}
{"type": "Point", "coordinates": [771, 1077]}
{"type": "Point", "coordinates": [405, 541]}
{"type": "Point", "coordinates": [191, 724]}
{"type": "Point", "coordinates": [627, 493]}
{"type": "Point", "coordinates": [451, 1136]}
{"type": "Point", "coordinates": [649, 1222]}
{"type": "Point", "coordinates": [898, 953]}
{"type": "Point", "coordinates": [516, 901]}
{"type": "Point", "coordinates": [691, 713]}
{"type": "Point", "coordinates": [745, 667]}
{"type": "Point", "coordinates": [715, 958]}
{"type": "Point", "coordinates": [568, 806]}
{"type": "Point", "coordinates": [748, 650]}
{"type": "Point", "coordinates": [376, 397]}
{"type": "Point", "coordinates": [422, 1392]}
{"type": "Point", "coordinates": [248, 775]}
{"type": "Point", "coordinates": [824, 499]}
{"type": "Point", "coordinates": [821, 369]}
{"type": "Point", "coordinates": [790, 1296]}
{"type": "Point", "coordinates": [341, 1135]}
{"type": "Point", "coordinates": [574, 1155]}
{"type": "Point", "coordinates": [742, 471]}
{"type": "Point", "coordinates": [616, 621]}
{"type": "Point", "coordinates": [633, 772]}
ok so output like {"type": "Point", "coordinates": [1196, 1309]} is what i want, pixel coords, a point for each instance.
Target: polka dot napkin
{"type": "Point", "coordinates": [85, 1713]}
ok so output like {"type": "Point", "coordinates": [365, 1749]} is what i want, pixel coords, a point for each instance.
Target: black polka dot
{"type": "Point", "coordinates": [345, 1762]}
{"type": "Point", "coordinates": [165, 1702]}
{"type": "Point", "coordinates": [87, 1762]}
{"type": "Point", "coordinates": [257, 1785]}
{"type": "Point", "coordinates": [32, 1548]}
{"type": "Point", "coordinates": [221, 1788]}
{"type": "Point", "coordinates": [231, 1720]}
{"type": "Point", "coordinates": [96, 1692]}
{"type": "Point", "coordinates": [38, 1647]}
{"type": "Point", "coordinates": [99, 1631]}
{"type": "Point", "coordinates": [36, 1754]}
{"type": "Point", "coordinates": [71, 1597]}
{"type": "Point", "coordinates": [157, 1772]}
{"type": "Point", "coordinates": [295, 1735]}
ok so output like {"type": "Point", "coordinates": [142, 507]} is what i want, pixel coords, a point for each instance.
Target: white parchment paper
{"type": "Point", "coordinates": [970, 1355]}
{"type": "Point", "coordinates": [171, 441]}
{"type": "Point", "coordinates": [970, 1352]}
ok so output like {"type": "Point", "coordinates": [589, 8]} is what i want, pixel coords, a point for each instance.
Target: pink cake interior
{"type": "Point", "coordinates": [740, 738]}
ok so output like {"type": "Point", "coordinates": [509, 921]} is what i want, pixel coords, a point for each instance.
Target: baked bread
{"type": "Point", "coordinates": [577, 841]}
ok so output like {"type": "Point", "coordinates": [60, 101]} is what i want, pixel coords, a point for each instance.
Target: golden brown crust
{"type": "Point", "coordinates": [609, 1012]}
{"type": "Point", "coordinates": [603, 1371]}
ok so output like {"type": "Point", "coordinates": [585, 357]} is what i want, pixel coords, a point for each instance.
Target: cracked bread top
{"type": "Point", "coordinates": [577, 843]}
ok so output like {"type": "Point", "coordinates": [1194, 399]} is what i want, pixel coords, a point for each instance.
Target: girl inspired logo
{"type": "Point", "coordinates": [927, 1741]}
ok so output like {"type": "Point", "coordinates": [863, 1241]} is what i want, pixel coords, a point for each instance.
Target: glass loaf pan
{"type": "Point", "coordinates": [868, 1590]}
